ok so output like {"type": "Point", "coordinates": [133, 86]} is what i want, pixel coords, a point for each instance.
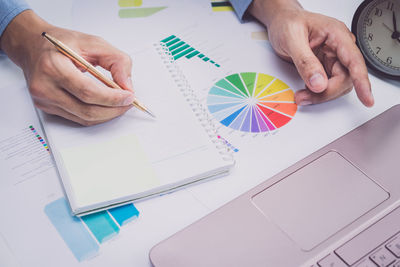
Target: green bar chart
{"type": "Point", "coordinates": [178, 49]}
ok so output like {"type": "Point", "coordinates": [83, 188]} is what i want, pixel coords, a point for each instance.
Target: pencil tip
{"type": "Point", "coordinates": [150, 113]}
{"type": "Point", "coordinates": [43, 34]}
{"type": "Point", "coordinates": [143, 108]}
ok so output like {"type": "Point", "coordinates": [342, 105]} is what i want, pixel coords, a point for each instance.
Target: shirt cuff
{"type": "Point", "coordinates": [10, 16]}
{"type": "Point", "coordinates": [241, 7]}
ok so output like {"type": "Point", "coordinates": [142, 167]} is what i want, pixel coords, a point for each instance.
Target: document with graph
{"type": "Point", "coordinates": [135, 156]}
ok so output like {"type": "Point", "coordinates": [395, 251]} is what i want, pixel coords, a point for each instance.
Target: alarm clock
{"type": "Point", "coordinates": [376, 25]}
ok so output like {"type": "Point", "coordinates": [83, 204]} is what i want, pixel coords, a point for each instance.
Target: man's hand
{"type": "Point", "coordinates": [322, 49]}
{"type": "Point", "coordinates": [56, 84]}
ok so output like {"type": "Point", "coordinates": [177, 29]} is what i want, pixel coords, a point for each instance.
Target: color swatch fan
{"type": "Point", "coordinates": [251, 102]}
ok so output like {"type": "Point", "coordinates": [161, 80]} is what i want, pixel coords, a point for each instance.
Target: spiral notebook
{"type": "Point", "coordinates": [134, 156]}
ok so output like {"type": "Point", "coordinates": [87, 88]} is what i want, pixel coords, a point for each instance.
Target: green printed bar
{"type": "Point", "coordinates": [168, 39]}
{"type": "Point", "coordinates": [176, 45]}
{"type": "Point", "coordinates": [101, 225]}
{"type": "Point", "coordinates": [139, 12]}
{"type": "Point", "coordinates": [212, 62]}
{"type": "Point", "coordinates": [192, 54]}
{"type": "Point", "coordinates": [206, 59]}
{"type": "Point", "coordinates": [187, 51]}
{"type": "Point", "coordinates": [173, 42]}
{"type": "Point", "coordinates": [221, 4]}
{"type": "Point", "coordinates": [176, 51]}
{"type": "Point", "coordinates": [217, 65]}
{"type": "Point", "coordinates": [201, 56]}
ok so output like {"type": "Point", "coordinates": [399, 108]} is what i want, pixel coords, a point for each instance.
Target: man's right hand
{"type": "Point", "coordinates": [56, 84]}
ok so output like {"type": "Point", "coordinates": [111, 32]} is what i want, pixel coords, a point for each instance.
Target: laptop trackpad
{"type": "Point", "coordinates": [319, 199]}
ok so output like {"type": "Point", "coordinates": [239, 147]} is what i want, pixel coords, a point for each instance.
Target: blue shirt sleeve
{"type": "Point", "coordinates": [8, 10]}
{"type": "Point", "coordinates": [241, 7]}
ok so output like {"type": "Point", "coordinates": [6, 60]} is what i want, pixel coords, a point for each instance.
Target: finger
{"type": "Point", "coordinates": [328, 58]}
{"type": "Point", "coordinates": [350, 56]}
{"type": "Point", "coordinates": [121, 70]}
{"type": "Point", "coordinates": [54, 110]}
{"type": "Point", "coordinates": [95, 112]}
{"type": "Point", "coordinates": [307, 64]}
{"type": "Point", "coordinates": [338, 85]}
{"type": "Point", "coordinates": [113, 60]}
{"type": "Point", "coordinates": [58, 97]}
{"type": "Point", "coordinates": [305, 97]}
{"type": "Point", "coordinates": [87, 89]}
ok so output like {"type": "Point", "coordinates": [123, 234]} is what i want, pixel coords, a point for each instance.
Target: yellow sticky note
{"type": "Point", "coordinates": [108, 170]}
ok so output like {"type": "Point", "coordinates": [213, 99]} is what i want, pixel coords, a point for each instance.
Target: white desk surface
{"type": "Point", "coordinates": [160, 217]}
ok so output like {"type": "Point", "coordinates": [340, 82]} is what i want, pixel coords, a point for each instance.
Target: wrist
{"type": "Point", "coordinates": [267, 10]}
{"type": "Point", "coordinates": [22, 36]}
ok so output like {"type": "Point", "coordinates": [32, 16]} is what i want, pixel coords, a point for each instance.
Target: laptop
{"type": "Point", "coordinates": [340, 206]}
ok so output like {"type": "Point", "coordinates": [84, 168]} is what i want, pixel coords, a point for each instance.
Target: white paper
{"type": "Point", "coordinates": [29, 235]}
{"type": "Point", "coordinates": [28, 238]}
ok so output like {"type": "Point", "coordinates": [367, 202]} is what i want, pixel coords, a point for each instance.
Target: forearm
{"type": "Point", "coordinates": [21, 36]}
{"type": "Point", "coordinates": [266, 10]}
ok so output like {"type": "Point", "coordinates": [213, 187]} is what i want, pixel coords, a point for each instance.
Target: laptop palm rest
{"type": "Point", "coordinates": [319, 199]}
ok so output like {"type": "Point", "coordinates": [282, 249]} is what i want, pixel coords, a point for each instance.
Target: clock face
{"type": "Point", "coordinates": [376, 25]}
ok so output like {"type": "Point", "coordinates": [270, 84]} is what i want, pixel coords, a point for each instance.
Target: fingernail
{"type": "Point", "coordinates": [305, 103]}
{"type": "Point", "coordinates": [128, 100]}
{"type": "Point", "coordinates": [371, 100]}
{"type": "Point", "coordinates": [317, 80]}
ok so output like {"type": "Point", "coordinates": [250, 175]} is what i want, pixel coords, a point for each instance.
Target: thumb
{"type": "Point", "coordinates": [308, 65]}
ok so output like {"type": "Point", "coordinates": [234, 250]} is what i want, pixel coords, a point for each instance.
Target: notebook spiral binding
{"type": "Point", "coordinates": [197, 108]}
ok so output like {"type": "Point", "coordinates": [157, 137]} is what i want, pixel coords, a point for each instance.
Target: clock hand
{"type": "Point", "coordinates": [394, 22]}
{"type": "Point", "coordinates": [387, 27]}
{"type": "Point", "coordinates": [395, 34]}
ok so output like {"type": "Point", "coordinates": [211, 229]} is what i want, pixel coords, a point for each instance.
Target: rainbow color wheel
{"type": "Point", "coordinates": [251, 102]}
